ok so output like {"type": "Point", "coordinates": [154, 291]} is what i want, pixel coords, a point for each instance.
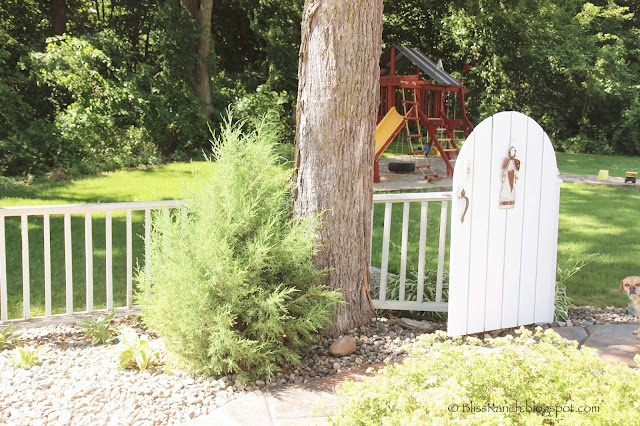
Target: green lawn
{"type": "Point", "coordinates": [604, 220]}
{"type": "Point", "coordinates": [590, 164]}
{"type": "Point", "coordinates": [593, 219]}
{"type": "Point", "coordinates": [158, 183]}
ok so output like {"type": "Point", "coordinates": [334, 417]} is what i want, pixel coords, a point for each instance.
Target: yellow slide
{"type": "Point", "coordinates": [387, 130]}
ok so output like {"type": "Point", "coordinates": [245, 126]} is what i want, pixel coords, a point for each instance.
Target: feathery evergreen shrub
{"type": "Point", "coordinates": [230, 285]}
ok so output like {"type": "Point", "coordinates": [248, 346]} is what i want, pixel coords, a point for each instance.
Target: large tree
{"type": "Point", "coordinates": [59, 16]}
{"type": "Point", "coordinates": [336, 119]}
{"type": "Point", "coordinates": [203, 77]}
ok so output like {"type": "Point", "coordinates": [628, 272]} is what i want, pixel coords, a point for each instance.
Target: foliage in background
{"type": "Point", "coordinates": [571, 65]}
{"type": "Point", "coordinates": [101, 330]}
{"type": "Point", "coordinates": [443, 376]}
{"type": "Point", "coordinates": [127, 98]}
{"type": "Point", "coordinates": [231, 285]}
{"type": "Point", "coordinates": [133, 351]}
{"type": "Point", "coordinates": [8, 337]}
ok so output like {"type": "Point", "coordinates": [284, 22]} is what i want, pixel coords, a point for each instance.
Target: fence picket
{"type": "Point", "coordinates": [109, 260]}
{"type": "Point", "coordinates": [441, 247]}
{"type": "Point", "coordinates": [88, 253]}
{"type": "Point", "coordinates": [386, 235]}
{"type": "Point", "coordinates": [46, 231]}
{"type": "Point", "coordinates": [129, 262]}
{"type": "Point", "coordinates": [403, 250]}
{"type": "Point", "coordinates": [68, 267]}
{"type": "Point", "coordinates": [147, 239]}
{"type": "Point", "coordinates": [26, 306]}
{"type": "Point", "coordinates": [424, 209]}
{"type": "Point", "coordinates": [4, 313]}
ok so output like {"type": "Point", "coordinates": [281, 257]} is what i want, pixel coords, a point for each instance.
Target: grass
{"type": "Point", "coordinates": [158, 183]}
{"type": "Point", "coordinates": [604, 220]}
{"type": "Point", "coordinates": [590, 164]}
{"type": "Point", "coordinates": [593, 219]}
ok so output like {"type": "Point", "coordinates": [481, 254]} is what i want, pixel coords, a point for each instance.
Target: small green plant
{"type": "Point", "coordinates": [523, 380]}
{"type": "Point", "coordinates": [133, 351]}
{"type": "Point", "coordinates": [29, 356]}
{"type": "Point", "coordinates": [563, 273]}
{"type": "Point", "coordinates": [8, 337]}
{"type": "Point", "coordinates": [101, 330]}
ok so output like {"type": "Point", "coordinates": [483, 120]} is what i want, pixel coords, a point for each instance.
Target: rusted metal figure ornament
{"type": "Point", "coordinates": [510, 170]}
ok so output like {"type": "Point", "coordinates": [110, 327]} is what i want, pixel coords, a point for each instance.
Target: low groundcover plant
{"type": "Point", "coordinates": [28, 356]}
{"type": "Point", "coordinates": [133, 351]}
{"type": "Point", "coordinates": [8, 337]}
{"type": "Point", "coordinates": [101, 330]}
{"type": "Point", "coordinates": [530, 379]}
{"type": "Point", "coordinates": [230, 285]}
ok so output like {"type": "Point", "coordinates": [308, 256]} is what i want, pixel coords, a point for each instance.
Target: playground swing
{"type": "Point", "coordinates": [425, 113]}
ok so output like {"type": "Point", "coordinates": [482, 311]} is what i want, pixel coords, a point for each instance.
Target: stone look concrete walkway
{"type": "Point", "coordinates": [312, 403]}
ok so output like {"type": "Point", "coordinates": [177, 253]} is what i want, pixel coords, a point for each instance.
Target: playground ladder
{"type": "Point", "coordinates": [411, 114]}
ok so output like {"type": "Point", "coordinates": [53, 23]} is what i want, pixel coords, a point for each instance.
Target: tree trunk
{"type": "Point", "coordinates": [191, 6]}
{"type": "Point", "coordinates": [337, 105]}
{"type": "Point", "coordinates": [202, 76]}
{"type": "Point", "coordinates": [59, 15]}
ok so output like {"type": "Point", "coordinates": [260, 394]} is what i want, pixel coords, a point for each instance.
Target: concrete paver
{"type": "Point", "coordinates": [578, 334]}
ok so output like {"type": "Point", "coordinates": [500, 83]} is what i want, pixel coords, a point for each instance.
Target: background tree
{"type": "Point", "coordinates": [572, 65]}
{"type": "Point", "coordinates": [203, 77]}
{"type": "Point", "coordinates": [336, 119]}
{"type": "Point", "coordinates": [59, 10]}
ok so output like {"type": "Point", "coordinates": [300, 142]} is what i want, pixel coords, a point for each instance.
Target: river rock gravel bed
{"type": "Point", "coordinates": [79, 384]}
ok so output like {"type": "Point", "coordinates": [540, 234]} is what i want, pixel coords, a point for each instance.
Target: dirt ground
{"type": "Point", "coordinates": [413, 181]}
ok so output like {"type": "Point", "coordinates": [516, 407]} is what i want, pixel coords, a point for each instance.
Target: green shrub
{"type": "Point", "coordinates": [133, 351]}
{"type": "Point", "coordinates": [101, 330]}
{"type": "Point", "coordinates": [445, 377]}
{"type": "Point", "coordinates": [230, 285]}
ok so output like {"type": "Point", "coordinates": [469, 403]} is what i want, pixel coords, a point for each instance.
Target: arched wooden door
{"type": "Point", "coordinates": [504, 227]}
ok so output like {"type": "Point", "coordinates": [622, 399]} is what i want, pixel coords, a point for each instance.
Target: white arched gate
{"type": "Point", "coordinates": [504, 227]}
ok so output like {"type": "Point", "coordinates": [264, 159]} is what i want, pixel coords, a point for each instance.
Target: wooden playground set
{"type": "Point", "coordinates": [431, 111]}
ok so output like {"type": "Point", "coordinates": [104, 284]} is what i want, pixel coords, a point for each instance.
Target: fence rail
{"type": "Point", "coordinates": [66, 211]}
{"type": "Point", "coordinates": [420, 304]}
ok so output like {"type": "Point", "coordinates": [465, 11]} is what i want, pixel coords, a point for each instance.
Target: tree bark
{"type": "Point", "coordinates": [191, 6]}
{"type": "Point", "coordinates": [337, 105]}
{"type": "Point", "coordinates": [202, 76]}
{"type": "Point", "coordinates": [59, 16]}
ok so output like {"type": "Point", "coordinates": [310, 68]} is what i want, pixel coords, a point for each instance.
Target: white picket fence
{"type": "Point", "coordinates": [420, 304]}
{"type": "Point", "coordinates": [66, 211]}
{"type": "Point", "coordinates": [405, 200]}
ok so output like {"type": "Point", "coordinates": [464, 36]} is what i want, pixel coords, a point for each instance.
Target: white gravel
{"type": "Point", "coordinates": [80, 385]}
